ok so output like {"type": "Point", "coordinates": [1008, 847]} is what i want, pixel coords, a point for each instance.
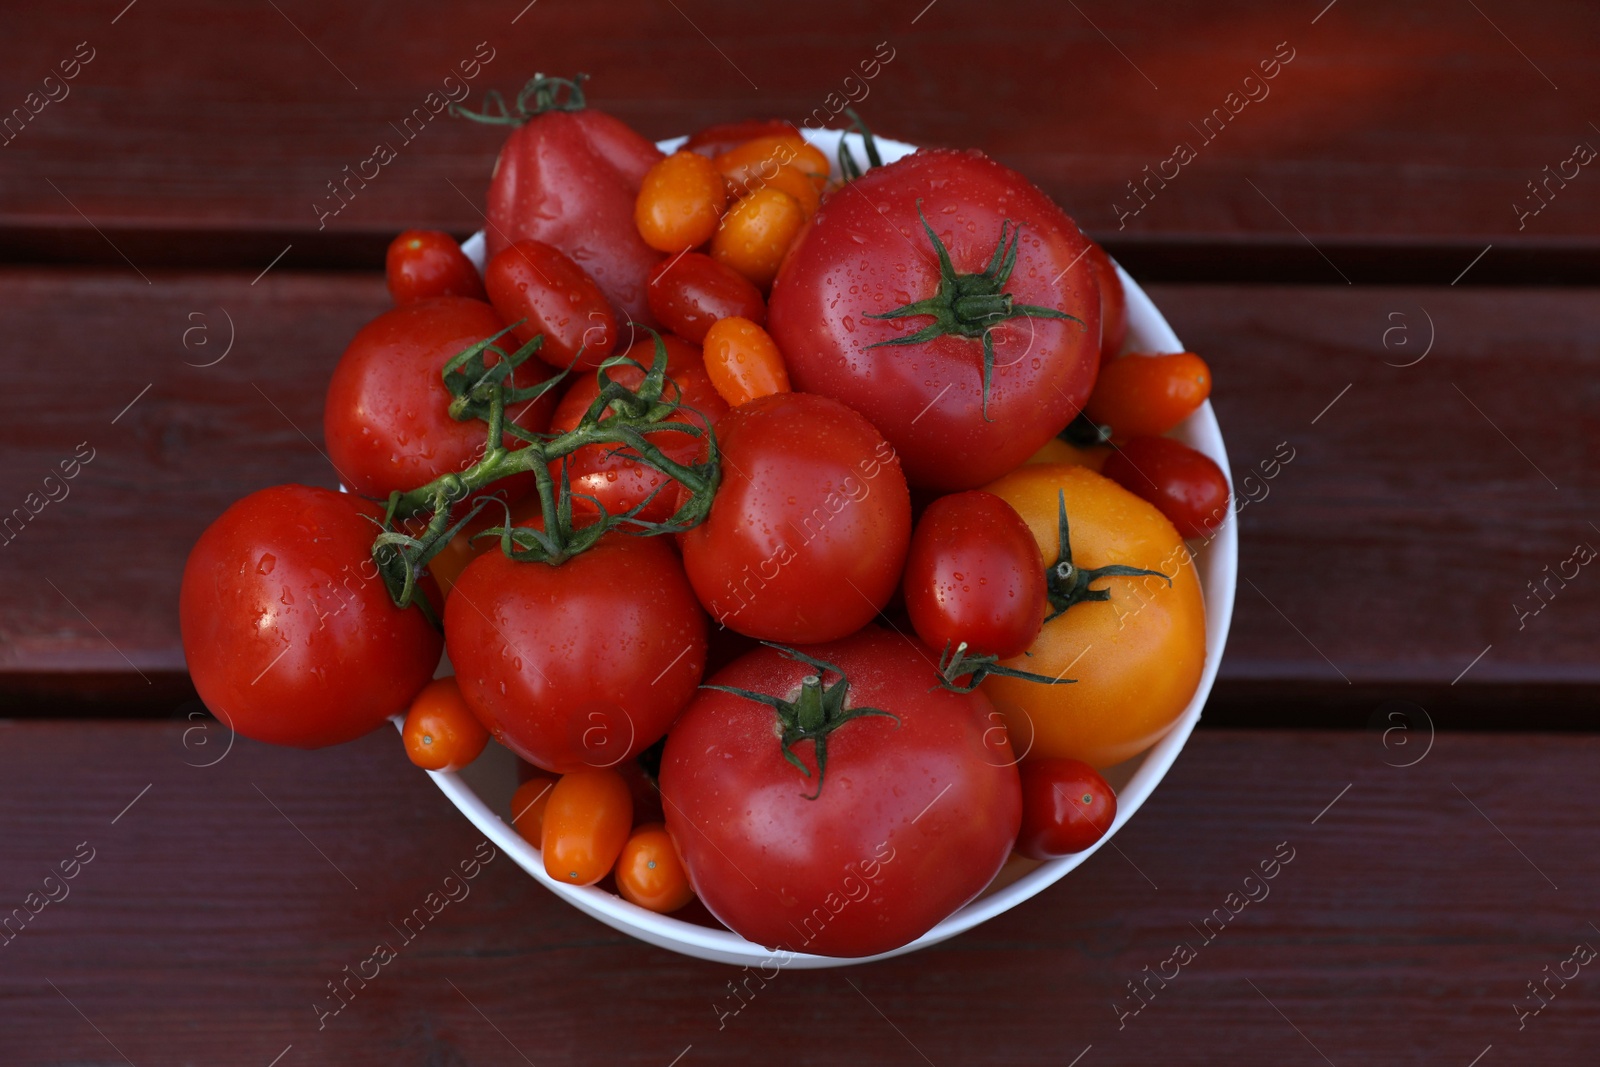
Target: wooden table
{"type": "Point", "coordinates": [1355, 247]}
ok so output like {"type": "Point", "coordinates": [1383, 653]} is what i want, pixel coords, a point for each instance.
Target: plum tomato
{"type": "Point", "coordinates": [756, 234]}
{"type": "Point", "coordinates": [1134, 643]}
{"type": "Point", "coordinates": [538, 290]}
{"type": "Point", "coordinates": [290, 634]}
{"type": "Point", "coordinates": [1145, 396]}
{"type": "Point", "coordinates": [936, 299]}
{"type": "Point", "coordinates": [809, 528]}
{"type": "Point", "coordinates": [1188, 486]}
{"type": "Point", "coordinates": [649, 872]}
{"type": "Point", "coordinates": [1113, 303]}
{"type": "Point", "coordinates": [680, 203]}
{"type": "Point", "coordinates": [743, 362]}
{"type": "Point", "coordinates": [585, 824]}
{"type": "Point", "coordinates": [612, 474]}
{"type": "Point", "coordinates": [834, 799]}
{"type": "Point", "coordinates": [440, 732]}
{"type": "Point", "coordinates": [691, 292]}
{"type": "Point", "coordinates": [387, 418]}
{"type": "Point", "coordinates": [1066, 807]}
{"type": "Point", "coordinates": [583, 664]}
{"type": "Point", "coordinates": [426, 263]}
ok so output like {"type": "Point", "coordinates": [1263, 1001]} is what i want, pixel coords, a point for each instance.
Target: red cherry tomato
{"type": "Point", "coordinates": [290, 634]}
{"type": "Point", "coordinates": [974, 575]}
{"type": "Point", "coordinates": [649, 872]}
{"type": "Point", "coordinates": [1066, 807]}
{"type": "Point", "coordinates": [441, 733]}
{"type": "Point", "coordinates": [535, 282]}
{"type": "Point", "coordinates": [426, 263]}
{"type": "Point", "coordinates": [612, 474]}
{"type": "Point", "coordinates": [691, 292]}
{"type": "Point", "coordinates": [387, 418]}
{"type": "Point", "coordinates": [1186, 485]}
{"type": "Point", "coordinates": [715, 140]}
{"type": "Point", "coordinates": [809, 529]}
{"type": "Point", "coordinates": [585, 825]}
{"type": "Point", "coordinates": [1145, 396]}
{"type": "Point", "coordinates": [1113, 304]}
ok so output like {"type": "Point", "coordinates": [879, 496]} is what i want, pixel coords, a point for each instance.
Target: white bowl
{"type": "Point", "coordinates": [483, 790]}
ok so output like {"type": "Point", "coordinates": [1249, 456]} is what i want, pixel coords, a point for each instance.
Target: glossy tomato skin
{"type": "Point", "coordinates": [387, 418]}
{"type": "Point", "coordinates": [717, 139]}
{"type": "Point", "coordinates": [1188, 486]}
{"type": "Point", "coordinates": [290, 636]}
{"type": "Point", "coordinates": [538, 290]}
{"type": "Point", "coordinates": [426, 263]}
{"type": "Point", "coordinates": [692, 292]}
{"type": "Point", "coordinates": [581, 665]}
{"type": "Point", "coordinates": [1066, 807]}
{"type": "Point", "coordinates": [809, 528]}
{"type": "Point", "coordinates": [570, 179]}
{"type": "Point", "coordinates": [1137, 657]}
{"type": "Point", "coordinates": [1113, 303]}
{"type": "Point", "coordinates": [912, 821]}
{"type": "Point", "coordinates": [974, 575]}
{"type": "Point", "coordinates": [927, 398]}
{"type": "Point", "coordinates": [1141, 395]}
{"type": "Point", "coordinates": [606, 472]}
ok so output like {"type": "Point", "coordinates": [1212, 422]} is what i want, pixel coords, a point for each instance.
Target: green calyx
{"type": "Point", "coordinates": [1067, 584]}
{"type": "Point", "coordinates": [847, 162]}
{"type": "Point", "coordinates": [813, 713]}
{"type": "Point", "coordinates": [957, 663]}
{"type": "Point", "coordinates": [542, 93]}
{"type": "Point", "coordinates": [970, 305]}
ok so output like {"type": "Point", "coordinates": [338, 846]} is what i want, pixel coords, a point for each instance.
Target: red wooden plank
{"type": "Point", "coordinates": [1419, 903]}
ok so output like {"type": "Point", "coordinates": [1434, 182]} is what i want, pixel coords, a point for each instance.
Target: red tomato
{"type": "Point", "coordinates": [1145, 396]}
{"type": "Point", "coordinates": [808, 531]}
{"type": "Point", "coordinates": [583, 664]}
{"type": "Point", "coordinates": [441, 733]}
{"type": "Point", "coordinates": [570, 179]}
{"type": "Point", "coordinates": [715, 140]}
{"type": "Point", "coordinates": [387, 419]}
{"type": "Point", "coordinates": [290, 634]}
{"type": "Point", "coordinates": [1066, 807]}
{"type": "Point", "coordinates": [691, 292]}
{"type": "Point", "coordinates": [896, 821]}
{"type": "Point", "coordinates": [612, 474]}
{"type": "Point", "coordinates": [974, 576]}
{"type": "Point", "coordinates": [1187, 486]}
{"type": "Point", "coordinates": [533, 281]}
{"type": "Point", "coordinates": [427, 263]}
{"type": "Point", "coordinates": [1113, 303]}
{"type": "Point", "coordinates": [858, 304]}
{"type": "Point", "coordinates": [585, 824]}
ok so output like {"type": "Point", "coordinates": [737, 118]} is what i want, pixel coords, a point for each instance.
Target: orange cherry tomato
{"type": "Point", "coordinates": [792, 181]}
{"type": "Point", "coordinates": [528, 804]}
{"type": "Point", "coordinates": [680, 202]}
{"type": "Point", "coordinates": [441, 733]}
{"type": "Point", "coordinates": [756, 233]}
{"type": "Point", "coordinates": [1056, 450]}
{"type": "Point", "coordinates": [1145, 396]}
{"type": "Point", "coordinates": [759, 159]}
{"type": "Point", "coordinates": [586, 823]}
{"type": "Point", "coordinates": [649, 872]}
{"type": "Point", "coordinates": [743, 362]}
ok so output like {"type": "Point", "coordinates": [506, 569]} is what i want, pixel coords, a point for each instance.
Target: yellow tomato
{"type": "Point", "coordinates": [1137, 656]}
{"type": "Point", "coordinates": [1056, 450]}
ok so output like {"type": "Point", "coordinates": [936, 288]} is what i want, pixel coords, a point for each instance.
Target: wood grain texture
{"type": "Point", "coordinates": [206, 926]}
{"type": "Point", "coordinates": [1411, 129]}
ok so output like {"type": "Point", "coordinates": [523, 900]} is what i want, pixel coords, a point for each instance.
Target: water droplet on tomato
{"type": "Point", "coordinates": [265, 564]}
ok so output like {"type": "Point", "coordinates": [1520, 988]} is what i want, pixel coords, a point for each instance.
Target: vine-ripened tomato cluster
{"type": "Point", "coordinates": [801, 524]}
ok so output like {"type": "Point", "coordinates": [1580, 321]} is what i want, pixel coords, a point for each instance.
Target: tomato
{"type": "Point", "coordinates": [1136, 655]}
{"type": "Point", "coordinates": [579, 665]}
{"type": "Point", "coordinates": [906, 807]}
{"type": "Point", "coordinates": [755, 163]}
{"type": "Point", "coordinates": [690, 292]}
{"type": "Point", "coordinates": [756, 233]}
{"type": "Point", "coordinates": [441, 733]}
{"type": "Point", "coordinates": [649, 872]}
{"type": "Point", "coordinates": [680, 203]}
{"type": "Point", "coordinates": [717, 139]}
{"type": "Point", "coordinates": [527, 807]}
{"type": "Point", "coordinates": [794, 182]}
{"type": "Point", "coordinates": [612, 474]}
{"type": "Point", "coordinates": [585, 825]}
{"type": "Point", "coordinates": [966, 370]}
{"type": "Point", "coordinates": [1188, 487]}
{"type": "Point", "coordinates": [290, 634]}
{"type": "Point", "coordinates": [1145, 396]}
{"type": "Point", "coordinates": [427, 263]}
{"type": "Point", "coordinates": [809, 529]}
{"type": "Point", "coordinates": [570, 178]}
{"type": "Point", "coordinates": [1056, 450]}
{"type": "Point", "coordinates": [535, 282]}
{"type": "Point", "coordinates": [743, 362]}
{"type": "Point", "coordinates": [1113, 303]}
{"type": "Point", "coordinates": [973, 577]}
{"type": "Point", "coordinates": [1066, 807]}
{"type": "Point", "coordinates": [387, 418]}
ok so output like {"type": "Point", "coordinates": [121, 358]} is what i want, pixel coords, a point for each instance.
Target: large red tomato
{"type": "Point", "coordinates": [290, 634]}
{"type": "Point", "coordinates": [809, 529]}
{"type": "Point", "coordinates": [869, 309]}
{"type": "Point", "coordinates": [579, 665]}
{"type": "Point", "coordinates": [895, 821]}
{"type": "Point", "coordinates": [387, 421]}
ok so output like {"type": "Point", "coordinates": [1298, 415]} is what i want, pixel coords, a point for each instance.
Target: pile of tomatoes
{"type": "Point", "coordinates": [805, 531]}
